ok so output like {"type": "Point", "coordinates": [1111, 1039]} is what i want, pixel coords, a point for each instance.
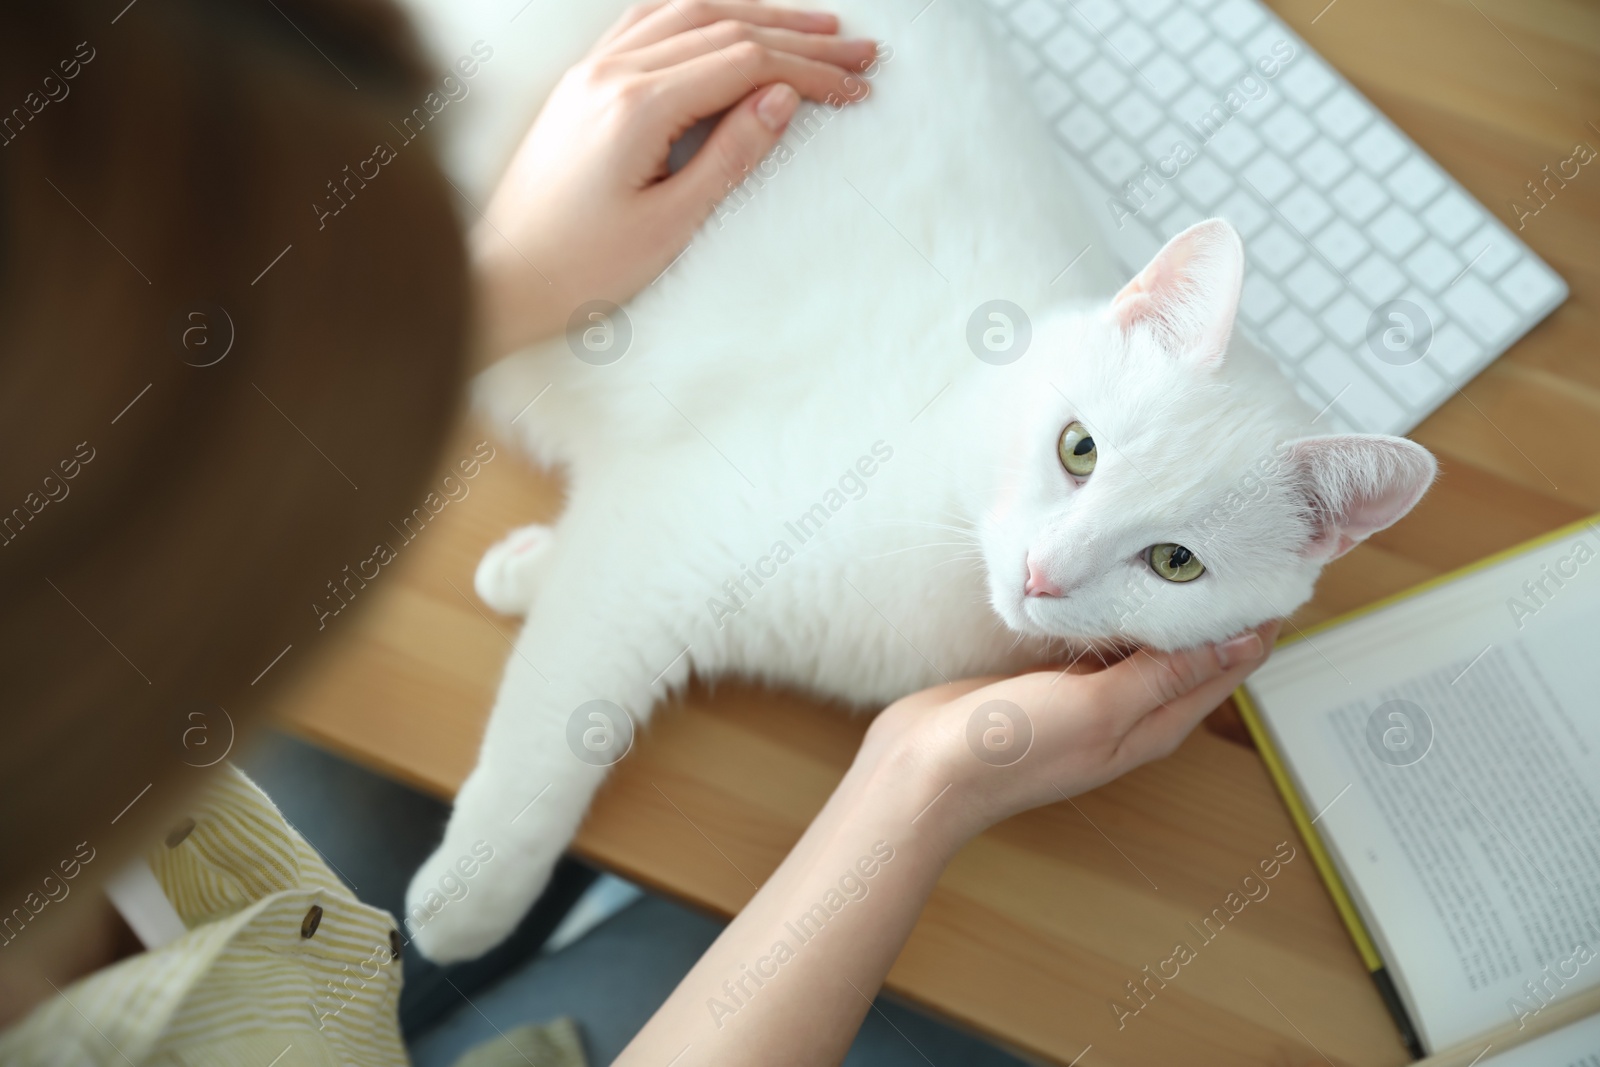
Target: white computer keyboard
{"type": "Point", "coordinates": [1377, 281]}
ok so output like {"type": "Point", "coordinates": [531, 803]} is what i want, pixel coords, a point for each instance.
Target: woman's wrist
{"type": "Point", "coordinates": [905, 775]}
{"type": "Point", "coordinates": [512, 311]}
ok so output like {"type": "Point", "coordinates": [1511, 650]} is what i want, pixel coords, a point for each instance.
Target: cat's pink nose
{"type": "Point", "coordinates": [1038, 584]}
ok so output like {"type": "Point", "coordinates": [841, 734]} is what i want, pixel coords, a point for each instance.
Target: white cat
{"type": "Point", "coordinates": [801, 471]}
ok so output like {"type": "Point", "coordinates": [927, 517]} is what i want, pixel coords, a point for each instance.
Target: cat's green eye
{"type": "Point", "coordinates": [1175, 563]}
{"type": "Point", "coordinates": [1077, 449]}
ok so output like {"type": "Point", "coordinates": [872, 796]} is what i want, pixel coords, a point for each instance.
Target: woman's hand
{"type": "Point", "coordinates": [1018, 743]}
{"type": "Point", "coordinates": [916, 792]}
{"type": "Point", "coordinates": [587, 209]}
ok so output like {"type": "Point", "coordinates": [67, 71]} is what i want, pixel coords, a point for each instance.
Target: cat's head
{"type": "Point", "coordinates": [1157, 489]}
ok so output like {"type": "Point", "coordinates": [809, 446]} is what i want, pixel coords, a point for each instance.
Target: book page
{"type": "Point", "coordinates": [1577, 1045]}
{"type": "Point", "coordinates": [1449, 748]}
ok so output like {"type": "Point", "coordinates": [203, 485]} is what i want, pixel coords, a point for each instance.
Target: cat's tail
{"type": "Point", "coordinates": [507, 576]}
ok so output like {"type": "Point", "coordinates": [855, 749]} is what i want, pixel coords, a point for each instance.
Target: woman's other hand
{"type": "Point", "coordinates": [1005, 746]}
{"type": "Point", "coordinates": [587, 209]}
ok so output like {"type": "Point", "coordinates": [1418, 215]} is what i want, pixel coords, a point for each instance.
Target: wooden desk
{"type": "Point", "coordinates": [1037, 925]}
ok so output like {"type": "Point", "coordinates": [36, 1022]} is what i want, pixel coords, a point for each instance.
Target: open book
{"type": "Point", "coordinates": [1441, 749]}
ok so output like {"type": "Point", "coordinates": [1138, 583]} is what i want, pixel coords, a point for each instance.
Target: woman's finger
{"type": "Point", "coordinates": [741, 139]}
{"type": "Point", "coordinates": [716, 81]}
{"type": "Point", "coordinates": [678, 16]}
{"type": "Point", "coordinates": [849, 54]}
{"type": "Point", "coordinates": [630, 18]}
{"type": "Point", "coordinates": [1201, 679]}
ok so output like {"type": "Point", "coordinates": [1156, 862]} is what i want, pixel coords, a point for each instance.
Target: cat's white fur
{"type": "Point", "coordinates": [818, 332]}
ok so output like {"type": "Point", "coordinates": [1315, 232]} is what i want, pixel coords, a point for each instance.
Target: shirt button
{"type": "Point", "coordinates": [313, 919]}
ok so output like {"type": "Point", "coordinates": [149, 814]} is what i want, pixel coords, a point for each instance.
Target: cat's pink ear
{"type": "Point", "coordinates": [1189, 294]}
{"type": "Point", "coordinates": [1357, 484]}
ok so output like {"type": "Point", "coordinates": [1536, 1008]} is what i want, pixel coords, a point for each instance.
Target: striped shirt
{"type": "Point", "coordinates": [281, 964]}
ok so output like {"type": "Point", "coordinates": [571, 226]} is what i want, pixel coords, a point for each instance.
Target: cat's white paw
{"type": "Point", "coordinates": [465, 900]}
{"type": "Point", "coordinates": [506, 576]}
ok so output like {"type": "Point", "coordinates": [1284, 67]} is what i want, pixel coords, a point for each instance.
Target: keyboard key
{"type": "Point", "coordinates": [1152, 197]}
{"type": "Point", "coordinates": [1415, 182]}
{"type": "Point", "coordinates": [1068, 50]}
{"type": "Point", "coordinates": [1352, 389]}
{"type": "Point", "coordinates": [1101, 15]}
{"type": "Point", "coordinates": [1489, 251]}
{"type": "Point", "coordinates": [1312, 284]}
{"type": "Point", "coordinates": [1234, 145]}
{"type": "Point", "coordinates": [1343, 113]}
{"type": "Point", "coordinates": [1531, 286]}
{"type": "Point", "coordinates": [1165, 75]}
{"type": "Point", "coordinates": [1287, 130]}
{"type": "Point", "coordinates": [1116, 161]}
{"type": "Point", "coordinates": [1346, 318]}
{"type": "Point", "coordinates": [1377, 279]}
{"type": "Point", "coordinates": [1131, 42]}
{"type": "Point", "coordinates": [1395, 231]}
{"type": "Point", "coordinates": [1159, 145]}
{"type": "Point", "coordinates": [1205, 181]}
{"type": "Point", "coordinates": [1051, 94]}
{"type": "Point", "coordinates": [1260, 44]}
{"type": "Point", "coordinates": [1307, 80]}
{"type": "Point", "coordinates": [1244, 211]}
{"type": "Point", "coordinates": [1359, 197]}
{"type": "Point", "coordinates": [1379, 149]}
{"type": "Point", "coordinates": [1269, 175]}
{"type": "Point", "coordinates": [1276, 250]}
{"type": "Point", "coordinates": [1034, 18]}
{"type": "Point", "coordinates": [1218, 65]}
{"type": "Point", "coordinates": [1305, 209]}
{"type": "Point", "coordinates": [1082, 128]}
{"type": "Point", "coordinates": [1433, 265]}
{"type": "Point", "coordinates": [1184, 31]}
{"type": "Point", "coordinates": [1323, 163]}
{"type": "Point", "coordinates": [1195, 105]}
{"type": "Point", "coordinates": [1176, 221]}
{"type": "Point", "coordinates": [1452, 216]}
{"type": "Point", "coordinates": [1418, 384]}
{"type": "Point", "coordinates": [1153, 10]}
{"type": "Point", "coordinates": [1102, 82]}
{"type": "Point", "coordinates": [1456, 353]}
{"type": "Point", "coordinates": [1259, 299]}
{"type": "Point", "coordinates": [1292, 334]}
{"type": "Point", "coordinates": [1136, 116]}
{"type": "Point", "coordinates": [1341, 244]}
{"type": "Point", "coordinates": [1485, 315]}
{"type": "Point", "coordinates": [1235, 19]}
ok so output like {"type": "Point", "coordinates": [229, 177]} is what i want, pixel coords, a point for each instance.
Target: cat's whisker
{"type": "Point", "coordinates": [913, 548]}
{"type": "Point", "coordinates": [922, 523]}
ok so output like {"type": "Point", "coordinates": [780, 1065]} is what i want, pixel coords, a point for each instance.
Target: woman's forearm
{"type": "Point", "coordinates": [790, 979]}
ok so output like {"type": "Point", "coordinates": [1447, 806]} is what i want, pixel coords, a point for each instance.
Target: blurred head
{"type": "Point", "coordinates": [211, 398]}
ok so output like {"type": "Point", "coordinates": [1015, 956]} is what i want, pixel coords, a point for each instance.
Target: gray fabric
{"type": "Point", "coordinates": [613, 980]}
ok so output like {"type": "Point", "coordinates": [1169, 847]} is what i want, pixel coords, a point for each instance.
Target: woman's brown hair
{"type": "Point", "coordinates": [213, 395]}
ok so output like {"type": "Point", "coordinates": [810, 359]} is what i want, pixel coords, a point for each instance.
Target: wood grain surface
{"type": "Point", "coordinates": [1038, 925]}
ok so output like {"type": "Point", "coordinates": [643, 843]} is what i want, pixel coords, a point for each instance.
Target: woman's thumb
{"type": "Point", "coordinates": [741, 140]}
{"type": "Point", "coordinates": [1191, 676]}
